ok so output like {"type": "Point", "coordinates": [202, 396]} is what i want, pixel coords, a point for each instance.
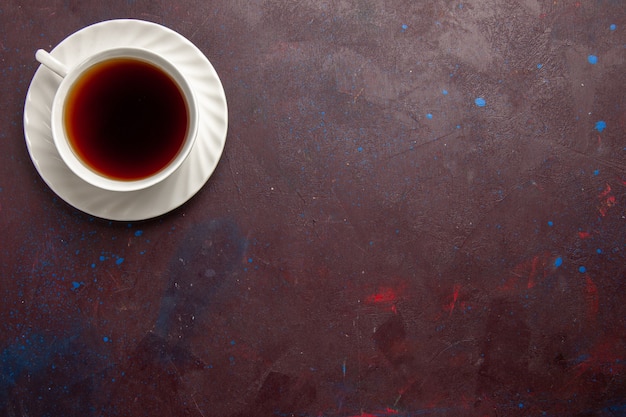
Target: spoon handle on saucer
{"type": "Point", "coordinates": [51, 63]}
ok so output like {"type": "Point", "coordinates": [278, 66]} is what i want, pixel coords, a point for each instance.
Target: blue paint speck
{"type": "Point", "coordinates": [521, 405]}
{"type": "Point", "coordinates": [613, 26]}
{"type": "Point", "coordinates": [102, 258]}
{"type": "Point", "coordinates": [444, 92]}
{"type": "Point", "coordinates": [480, 102]}
{"type": "Point", "coordinates": [550, 223]}
{"type": "Point", "coordinates": [458, 126]}
{"type": "Point", "coordinates": [596, 172]}
{"type": "Point", "coordinates": [93, 265]}
{"type": "Point", "coordinates": [404, 27]}
{"type": "Point", "coordinates": [250, 260]}
{"type": "Point", "coordinates": [539, 66]}
{"type": "Point", "coordinates": [232, 343]}
{"type": "Point", "coordinates": [593, 60]}
{"type": "Point", "coordinates": [105, 339]}
{"type": "Point", "coordinates": [75, 285]}
{"type": "Point", "coordinates": [119, 261]}
{"type": "Point", "coordinates": [429, 116]}
{"type": "Point", "coordinates": [599, 250]}
{"type": "Point", "coordinates": [139, 233]}
{"type": "Point", "coordinates": [600, 125]}
{"type": "Point", "coordinates": [582, 269]}
{"type": "Point", "coordinates": [558, 262]}
{"type": "Point", "coordinates": [360, 149]}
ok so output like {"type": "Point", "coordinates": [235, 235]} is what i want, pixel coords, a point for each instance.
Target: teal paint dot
{"type": "Point", "coordinates": [429, 116]}
{"type": "Point", "coordinates": [600, 125]}
{"type": "Point", "coordinates": [550, 223]}
{"type": "Point", "coordinates": [404, 27]}
{"type": "Point", "coordinates": [593, 60]}
{"type": "Point", "coordinates": [480, 102]}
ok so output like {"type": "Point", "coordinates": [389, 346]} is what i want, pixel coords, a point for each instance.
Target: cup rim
{"type": "Point", "coordinates": [82, 169]}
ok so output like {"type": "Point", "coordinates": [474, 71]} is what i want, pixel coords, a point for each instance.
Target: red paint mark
{"type": "Point", "coordinates": [591, 297]}
{"type": "Point", "coordinates": [385, 295]}
{"type": "Point", "coordinates": [455, 296]}
{"type": "Point", "coordinates": [606, 357]}
{"type": "Point", "coordinates": [533, 272]}
{"type": "Point", "coordinates": [606, 205]}
{"type": "Point", "coordinates": [509, 285]}
{"type": "Point", "coordinates": [607, 191]}
{"type": "Point", "coordinates": [584, 235]}
{"type": "Point", "coordinates": [528, 273]}
{"type": "Point", "coordinates": [607, 200]}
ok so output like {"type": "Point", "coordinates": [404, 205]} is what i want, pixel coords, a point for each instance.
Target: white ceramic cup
{"type": "Point", "coordinates": [59, 132]}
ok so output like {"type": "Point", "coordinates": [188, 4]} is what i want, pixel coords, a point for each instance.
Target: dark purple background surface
{"type": "Point", "coordinates": [374, 242]}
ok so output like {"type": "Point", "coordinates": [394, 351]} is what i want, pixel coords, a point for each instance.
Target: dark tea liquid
{"type": "Point", "coordinates": [126, 119]}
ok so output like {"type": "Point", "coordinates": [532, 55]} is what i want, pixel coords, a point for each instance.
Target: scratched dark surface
{"type": "Point", "coordinates": [420, 211]}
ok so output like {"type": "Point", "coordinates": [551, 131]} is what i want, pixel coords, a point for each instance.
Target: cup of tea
{"type": "Point", "coordinates": [123, 119]}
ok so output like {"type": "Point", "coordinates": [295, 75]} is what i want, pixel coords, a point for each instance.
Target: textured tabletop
{"type": "Point", "coordinates": [419, 211]}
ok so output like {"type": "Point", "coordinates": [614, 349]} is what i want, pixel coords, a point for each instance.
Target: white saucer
{"type": "Point", "coordinates": [192, 174]}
